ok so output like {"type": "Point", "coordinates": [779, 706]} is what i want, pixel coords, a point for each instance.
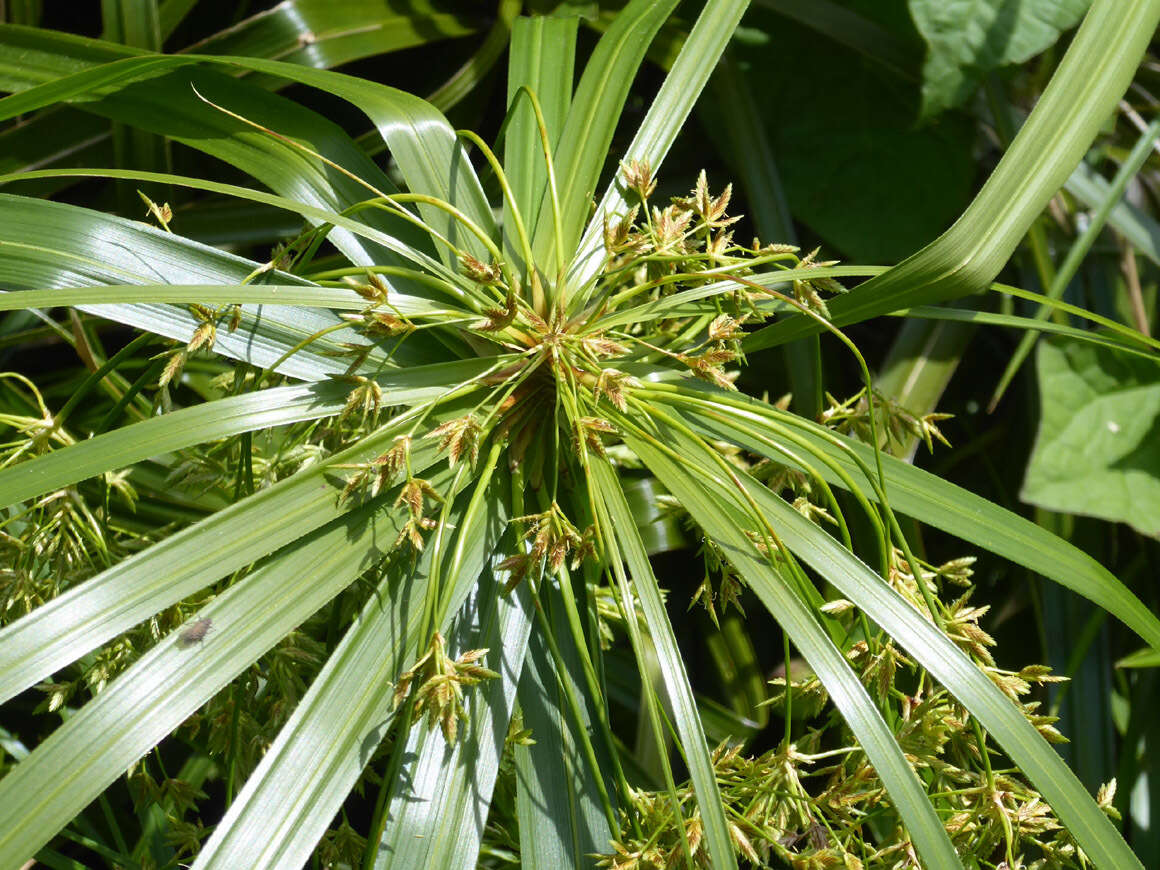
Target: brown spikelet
{"type": "Point", "coordinates": [669, 227]}
{"type": "Point", "coordinates": [707, 365]}
{"type": "Point", "coordinates": [517, 566]}
{"type": "Point", "coordinates": [412, 496]}
{"type": "Point", "coordinates": [499, 318]}
{"type": "Point", "coordinates": [364, 399]}
{"type": "Point", "coordinates": [588, 431]}
{"type": "Point", "coordinates": [638, 177]}
{"type": "Point", "coordinates": [380, 323]}
{"type": "Point", "coordinates": [356, 482]}
{"type": "Point", "coordinates": [460, 437]}
{"type": "Point", "coordinates": [602, 347]}
{"type": "Point", "coordinates": [618, 233]}
{"type": "Point", "coordinates": [395, 459]}
{"type": "Point", "coordinates": [412, 533]}
{"type": "Point", "coordinates": [173, 368]}
{"type": "Point", "coordinates": [479, 271]}
{"type": "Point", "coordinates": [203, 336]}
{"type": "Point", "coordinates": [611, 384]}
{"type": "Point", "coordinates": [413, 493]}
{"type": "Point", "coordinates": [723, 327]}
{"type": "Point", "coordinates": [435, 685]}
{"type": "Point", "coordinates": [374, 289]}
{"type": "Point", "coordinates": [773, 248]}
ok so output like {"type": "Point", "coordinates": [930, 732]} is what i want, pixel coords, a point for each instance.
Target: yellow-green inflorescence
{"type": "Point", "coordinates": [564, 385]}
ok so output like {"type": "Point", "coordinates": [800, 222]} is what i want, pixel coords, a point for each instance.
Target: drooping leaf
{"type": "Point", "coordinates": [968, 256]}
{"type": "Point", "coordinates": [951, 508]}
{"type": "Point", "coordinates": [324, 34]}
{"type": "Point", "coordinates": [48, 244]}
{"type": "Point", "coordinates": [710, 504]}
{"type": "Point", "coordinates": [926, 642]}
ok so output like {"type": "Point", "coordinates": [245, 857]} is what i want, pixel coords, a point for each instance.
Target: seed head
{"type": "Point", "coordinates": [638, 177]}
{"type": "Point", "coordinates": [479, 271]}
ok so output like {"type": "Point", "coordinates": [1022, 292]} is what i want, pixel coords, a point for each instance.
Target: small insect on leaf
{"type": "Point", "coordinates": [195, 632]}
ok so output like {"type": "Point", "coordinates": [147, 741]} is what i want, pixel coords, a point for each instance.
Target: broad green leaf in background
{"type": "Point", "coordinates": [965, 40]}
{"type": "Point", "coordinates": [882, 31]}
{"type": "Point", "coordinates": [1098, 448]}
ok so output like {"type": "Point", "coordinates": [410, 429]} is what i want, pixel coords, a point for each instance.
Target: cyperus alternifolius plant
{"type": "Point", "coordinates": [401, 499]}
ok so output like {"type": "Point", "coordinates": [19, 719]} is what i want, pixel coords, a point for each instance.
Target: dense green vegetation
{"type": "Point", "coordinates": [635, 435]}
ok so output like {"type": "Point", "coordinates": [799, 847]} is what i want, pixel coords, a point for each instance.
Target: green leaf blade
{"type": "Point", "coordinates": [725, 522]}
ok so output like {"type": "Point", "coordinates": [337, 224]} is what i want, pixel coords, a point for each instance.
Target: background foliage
{"type": "Point", "coordinates": [866, 128]}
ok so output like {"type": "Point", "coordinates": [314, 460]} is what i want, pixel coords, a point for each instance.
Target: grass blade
{"type": "Point", "coordinates": [666, 116]}
{"type": "Point", "coordinates": [591, 121]}
{"type": "Point", "coordinates": [715, 511]}
{"type": "Point", "coordinates": [93, 748]}
{"type": "Point", "coordinates": [671, 662]}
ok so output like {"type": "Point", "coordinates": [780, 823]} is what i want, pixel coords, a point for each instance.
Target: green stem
{"type": "Point", "coordinates": [390, 777]}
{"type": "Point", "coordinates": [580, 641]}
{"type": "Point", "coordinates": [235, 737]}
{"type": "Point", "coordinates": [111, 820]}
{"type": "Point", "coordinates": [111, 364]}
{"type": "Point", "coordinates": [786, 742]}
{"type": "Point", "coordinates": [151, 372]}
